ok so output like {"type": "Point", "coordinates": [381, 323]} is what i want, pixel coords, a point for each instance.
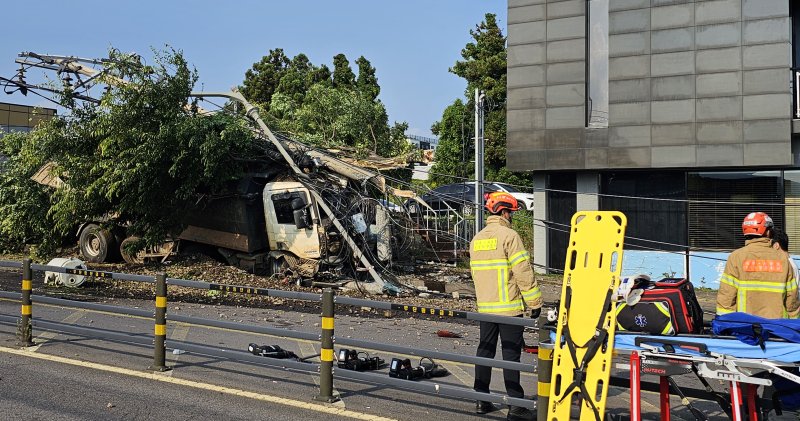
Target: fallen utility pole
{"type": "Point", "coordinates": [252, 112]}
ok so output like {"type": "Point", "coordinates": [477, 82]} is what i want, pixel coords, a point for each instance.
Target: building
{"type": "Point", "coordinates": [422, 142]}
{"type": "Point", "coordinates": [21, 118]}
{"type": "Point", "coordinates": [682, 104]}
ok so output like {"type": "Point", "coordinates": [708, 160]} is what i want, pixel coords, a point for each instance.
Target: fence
{"type": "Point", "coordinates": [26, 323]}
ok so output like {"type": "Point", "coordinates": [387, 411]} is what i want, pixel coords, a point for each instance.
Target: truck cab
{"type": "Point", "coordinates": [292, 219]}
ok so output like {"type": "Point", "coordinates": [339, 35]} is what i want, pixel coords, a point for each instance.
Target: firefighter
{"type": "Point", "coordinates": [758, 279]}
{"type": "Point", "coordinates": [504, 284]}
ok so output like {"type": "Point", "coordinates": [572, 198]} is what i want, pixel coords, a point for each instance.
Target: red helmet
{"type": "Point", "coordinates": [756, 223]}
{"type": "Point", "coordinates": [497, 201]}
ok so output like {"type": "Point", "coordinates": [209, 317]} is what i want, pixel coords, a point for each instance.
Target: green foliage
{"type": "Point", "coordinates": [367, 82]}
{"type": "Point", "coordinates": [453, 131]}
{"type": "Point", "coordinates": [343, 76]}
{"type": "Point", "coordinates": [141, 156]}
{"type": "Point", "coordinates": [483, 67]}
{"type": "Point", "coordinates": [322, 108]}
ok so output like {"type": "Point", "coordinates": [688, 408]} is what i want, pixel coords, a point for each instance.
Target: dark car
{"type": "Point", "coordinates": [459, 197]}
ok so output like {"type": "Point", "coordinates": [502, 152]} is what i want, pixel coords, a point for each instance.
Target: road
{"type": "Point", "coordinates": [71, 377]}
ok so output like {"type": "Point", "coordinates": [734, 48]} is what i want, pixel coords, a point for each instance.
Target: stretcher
{"type": "Point", "coordinates": [744, 368]}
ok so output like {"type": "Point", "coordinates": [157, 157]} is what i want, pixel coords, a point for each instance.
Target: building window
{"type": "Point", "coordinates": [717, 225]}
{"type": "Point", "coordinates": [597, 64]}
{"type": "Point", "coordinates": [638, 196]}
{"type": "Point", "coordinates": [791, 191]}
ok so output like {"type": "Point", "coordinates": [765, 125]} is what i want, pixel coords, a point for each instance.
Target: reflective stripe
{"type": "Point", "coordinates": [518, 257]}
{"type": "Point", "coordinates": [161, 302]}
{"type": "Point", "coordinates": [325, 354]}
{"type": "Point", "coordinates": [663, 309]}
{"type": "Point", "coordinates": [729, 280]}
{"type": "Point", "coordinates": [161, 330]}
{"type": "Point", "coordinates": [532, 294]}
{"type": "Point", "coordinates": [26, 284]}
{"type": "Point", "coordinates": [26, 310]}
{"type": "Point", "coordinates": [721, 310]}
{"type": "Point", "coordinates": [502, 286]}
{"type": "Point", "coordinates": [497, 307]}
{"type": "Point", "coordinates": [327, 322]}
{"type": "Point", "coordinates": [543, 389]}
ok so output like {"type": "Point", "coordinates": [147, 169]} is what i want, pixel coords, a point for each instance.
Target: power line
{"type": "Point", "coordinates": [663, 199]}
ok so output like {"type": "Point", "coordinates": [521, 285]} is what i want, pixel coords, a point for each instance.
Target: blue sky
{"type": "Point", "coordinates": [411, 43]}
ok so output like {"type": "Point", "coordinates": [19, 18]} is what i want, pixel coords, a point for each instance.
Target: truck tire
{"type": "Point", "coordinates": [134, 259]}
{"type": "Point", "coordinates": [97, 245]}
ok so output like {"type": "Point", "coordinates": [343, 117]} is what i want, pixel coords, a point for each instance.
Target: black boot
{"type": "Point", "coordinates": [482, 407]}
{"type": "Point", "coordinates": [518, 413]}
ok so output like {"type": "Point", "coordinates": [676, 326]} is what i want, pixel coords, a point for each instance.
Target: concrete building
{"type": "Point", "coordinates": [21, 118]}
{"type": "Point", "coordinates": [687, 103]}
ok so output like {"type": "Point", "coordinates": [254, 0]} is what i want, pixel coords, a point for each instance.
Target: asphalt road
{"type": "Point", "coordinates": [71, 377]}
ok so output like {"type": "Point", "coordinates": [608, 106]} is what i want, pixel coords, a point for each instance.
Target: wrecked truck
{"type": "Point", "coordinates": [297, 208]}
{"type": "Point", "coordinates": [262, 226]}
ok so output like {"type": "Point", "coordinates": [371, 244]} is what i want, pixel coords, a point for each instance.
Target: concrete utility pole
{"type": "Point", "coordinates": [479, 96]}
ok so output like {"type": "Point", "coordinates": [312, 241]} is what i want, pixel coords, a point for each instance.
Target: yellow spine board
{"type": "Point", "coordinates": [593, 266]}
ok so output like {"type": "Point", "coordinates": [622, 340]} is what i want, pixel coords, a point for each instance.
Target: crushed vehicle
{"type": "Point", "coordinates": [297, 209]}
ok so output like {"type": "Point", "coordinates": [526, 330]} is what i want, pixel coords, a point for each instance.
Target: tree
{"type": "Point", "coordinates": [483, 67]}
{"type": "Point", "coordinates": [140, 156]}
{"type": "Point", "coordinates": [450, 164]}
{"type": "Point", "coordinates": [261, 81]}
{"type": "Point", "coordinates": [343, 76]}
{"type": "Point", "coordinates": [367, 82]}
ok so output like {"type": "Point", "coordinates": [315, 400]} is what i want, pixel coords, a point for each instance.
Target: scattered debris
{"type": "Point", "coordinates": [447, 334]}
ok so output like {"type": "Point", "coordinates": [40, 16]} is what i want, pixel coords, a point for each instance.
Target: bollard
{"type": "Point", "coordinates": [544, 369]}
{"type": "Point", "coordinates": [326, 351]}
{"type": "Point", "coordinates": [160, 338]}
{"type": "Point", "coordinates": [25, 327]}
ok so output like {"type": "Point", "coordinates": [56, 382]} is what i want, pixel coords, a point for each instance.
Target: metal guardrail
{"type": "Point", "coordinates": [326, 371]}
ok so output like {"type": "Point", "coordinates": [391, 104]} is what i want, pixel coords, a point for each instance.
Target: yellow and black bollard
{"type": "Point", "coordinates": [160, 338]}
{"type": "Point", "coordinates": [544, 369]}
{"type": "Point", "coordinates": [25, 327]}
{"type": "Point", "coordinates": [326, 351]}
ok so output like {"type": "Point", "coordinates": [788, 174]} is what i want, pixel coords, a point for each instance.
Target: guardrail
{"type": "Point", "coordinates": [326, 337]}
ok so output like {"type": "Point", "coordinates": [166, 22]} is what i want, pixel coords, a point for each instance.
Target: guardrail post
{"type": "Point", "coordinates": [544, 369]}
{"type": "Point", "coordinates": [160, 338]}
{"type": "Point", "coordinates": [25, 326]}
{"type": "Point", "coordinates": [326, 350]}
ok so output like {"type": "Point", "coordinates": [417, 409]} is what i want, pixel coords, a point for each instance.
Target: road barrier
{"type": "Point", "coordinates": [326, 338]}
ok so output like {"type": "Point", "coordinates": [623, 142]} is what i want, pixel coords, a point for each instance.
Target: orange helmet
{"type": "Point", "coordinates": [497, 201]}
{"type": "Point", "coordinates": [756, 223]}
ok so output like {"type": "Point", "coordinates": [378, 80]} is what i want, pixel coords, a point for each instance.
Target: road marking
{"type": "Point", "coordinates": [461, 374]}
{"type": "Point", "coordinates": [307, 349]}
{"type": "Point", "coordinates": [44, 337]}
{"type": "Point", "coordinates": [178, 332]}
{"type": "Point", "coordinates": [326, 409]}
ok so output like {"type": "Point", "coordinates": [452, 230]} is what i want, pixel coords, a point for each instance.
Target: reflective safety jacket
{"type": "Point", "coordinates": [758, 280]}
{"type": "Point", "coordinates": [501, 270]}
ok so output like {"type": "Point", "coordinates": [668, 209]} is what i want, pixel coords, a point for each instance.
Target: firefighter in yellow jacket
{"type": "Point", "coordinates": [504, 285]}
{"type": "Point", "coordinates": [758, 279]}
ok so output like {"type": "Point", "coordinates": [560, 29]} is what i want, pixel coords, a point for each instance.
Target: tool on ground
{"type": "Point", "coordinates": [401, 368]}
{"type": "Point", "coordinates": [350, 359]}
{"type": "Point", "coordinates": [271, 351]}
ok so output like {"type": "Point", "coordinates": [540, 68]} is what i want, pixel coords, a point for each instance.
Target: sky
{"type": "Point", "coordinates": [411, 43]}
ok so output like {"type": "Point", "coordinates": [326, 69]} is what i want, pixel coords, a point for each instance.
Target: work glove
{"type": "Point", "coordinates": [536, 312]}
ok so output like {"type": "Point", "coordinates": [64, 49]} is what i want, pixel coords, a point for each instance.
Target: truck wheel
{"type": "Point", "coordinates": [278, 265]}
{"type": "Point", "coordinates": [97, 245]}
{"type": "Point", "coordinates": [134, 259]}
